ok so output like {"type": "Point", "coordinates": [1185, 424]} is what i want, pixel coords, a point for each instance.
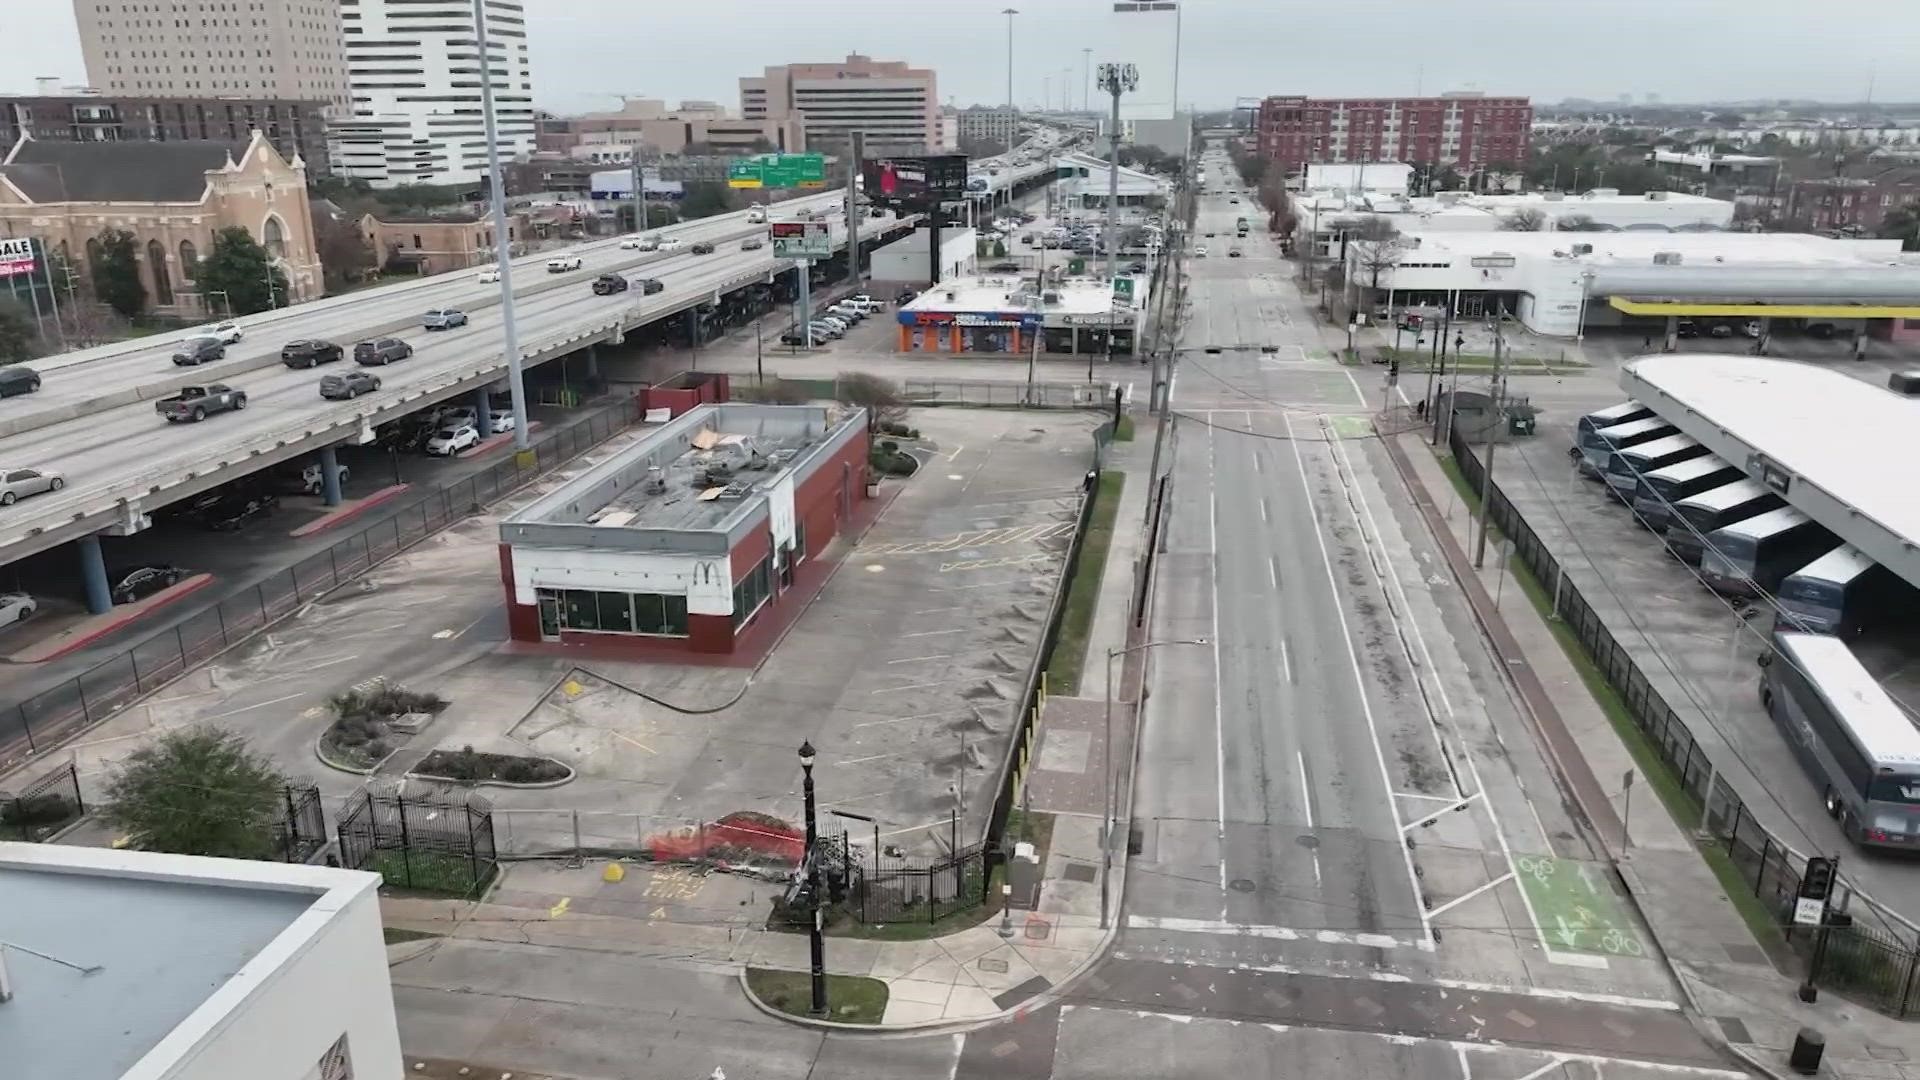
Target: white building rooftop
{"type": "Point", "coordinates": [1009, 292]}
{"type": "Point", "coordinates": [1466, 212]}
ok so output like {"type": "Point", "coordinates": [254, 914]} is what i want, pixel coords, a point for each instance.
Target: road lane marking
{"type": "Point", "coordinates": [1469, 986]}
{"type": "Point", "coordinates": [1306, 803]}
{"type": "Point", "coordinates": [1470, 894]}
{"type": "Point", "coordinates": [1219, 732]}
{"type": "Point", "coordinates": [918, 659]}
{"type": "Point", "coordinates": [1452, 805]}
{"type": "Point", "coordinates": [1366, 706]}
{"type": "Point", "coordinates": [1273, 572]}
{"type": "Point", "coordinates": [1264, 514]}
{"type": "Point", "coordinates": [1274, 933]}
{"type": "Point", "coordinates": [1286, 657]}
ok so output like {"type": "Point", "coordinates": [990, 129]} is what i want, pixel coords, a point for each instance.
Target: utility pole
{"type": "Point", "coordinates": [516, 381]}
{"type": "Point", "coordinates": [1115, 79]}
{"type": "Point", "coordinates": [1499, 388]}
{"type": "Point", "coordinates": [1086, 80]}
{"type": "Point", "coordinates": [639, 194]}
{"type": "Point", "coordinates": [1013, 130]}
{"type": "Point", "coordinates": [859, 148]}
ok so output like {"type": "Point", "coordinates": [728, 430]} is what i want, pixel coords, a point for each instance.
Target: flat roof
{"type": "Point", "coordinates": [1669, 444]}
{"type": "Point", "coordinates": [1885, 731]}
{"type": "Point", "coordinates": [1773, 521]}
{"type": "Point", "coordinates": [112, 953]}
{"type": "Point", "coordinates": [1708, 308]}
{"type": "Point", "coordinates": [1695, 248]}
{"type": "Point", "coordinates": [1839, 449]}
{"type": "Point", "coordinates": [1010, 293]}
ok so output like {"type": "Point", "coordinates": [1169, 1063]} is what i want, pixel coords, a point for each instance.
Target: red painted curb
{"type": "Point", "coordinates": [348, 513]}
{"type": "Point", "coordinates": [117, 620]}
{"type": "Point", "coordinates": [495, 442]}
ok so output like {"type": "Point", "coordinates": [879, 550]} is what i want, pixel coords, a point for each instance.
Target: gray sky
{"type": "Point", "coordinates": [586, 52]}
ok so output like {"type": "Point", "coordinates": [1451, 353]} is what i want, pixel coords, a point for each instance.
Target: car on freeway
{"type": "Point", "coordinates": [195, 351]}
{"type": "Point", "coordinates": [449, 441]}
{"type": "Point", "coordinates": [140, 582]}
{"type": "Point", "coordinates": [16, 607]}
{"type": "Point", "coordinates": [310, 353]}
{"type": "Point", "coordinates": [234, 512]}
{"type": "Point", "coordinates": [499, 421]}
{"type": "Point", "coordinates": [702, 248]}
{"type": "Point", "coordinates": [228, 332]}
{"type": "Point", "coordinates": [196, 403]}
{"type": "Point", "coordinates": [17, 484]}
{"type": "Point", "coordinates": [649, 286]}
{"type": "Point", "coordinates": [1200, 252]}
{"type": "Point", "coordinates": [489, 276]}
{"type": "Point", "coordinates": [562, 263]}
{"type": "Point", "coordinates": [348, 385]}
{"type": "Point", "coordinates": [381, 351]}
{"type": "Point", "coordinates": [671, 244]}
{"type": "Point", "coordinates": [443, 319]}
{"type": "Point", "coordinates": [1233, 252]}
{"type": "Point", "coordinates": [756, 215]}
{"type": "Point", "coordinates": [639, 243]}
{"type": "Point", "coordinates": [18, 380]}
{"type": "Point", "coordinates": [752, 243]}
{"type": "Point", "coordinates": [608, 284]}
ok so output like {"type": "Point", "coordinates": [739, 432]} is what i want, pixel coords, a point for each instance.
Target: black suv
{"type": "Point", "coordinates": [18, 380]}
{"type": "Point", "coordinates": [381, 351]}
{"type": "Point", "coordinates": [199, 350]}
{"type": "Point", "coordinates": [309, 353]}
{"type": "Point", "coordinates": [701, 249]}
{"type": "Point", "coordinates": [649, 286]}
{"type": "Point", "coordinates": [347, 385]}
{"type": "Point", "coordinates": [143, 581]}
{"type": "Point", "coordinates": [608, 284]}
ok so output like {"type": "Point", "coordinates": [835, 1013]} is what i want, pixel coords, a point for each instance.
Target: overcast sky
{"type": "Point", "coordinates": [588, 52]}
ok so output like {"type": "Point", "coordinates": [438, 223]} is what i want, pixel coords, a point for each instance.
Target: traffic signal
{"type": "Point", "coordinates": [1817, 880]}
{"type": "Point", "coordinates": [1393, 369]}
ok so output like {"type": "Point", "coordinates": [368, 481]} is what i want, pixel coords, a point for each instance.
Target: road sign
{"type": "Point", "coordinates": [802, 240]}
{"type": "Point", "coordinates": [16, 255]}
{"type": "Point", "coordinates": [1806, 911]}
{"type": "Point", "coordinates": [1123, 291]}
{"type": "Point", "coordinates": [778, 171]}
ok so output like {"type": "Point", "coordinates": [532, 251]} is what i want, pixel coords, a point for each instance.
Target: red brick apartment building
{"type": "Point", "coordinates": [1462, 130]}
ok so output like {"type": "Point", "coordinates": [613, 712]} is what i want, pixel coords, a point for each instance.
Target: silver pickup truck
{"type": "Point", "coordinates": [196, 403]}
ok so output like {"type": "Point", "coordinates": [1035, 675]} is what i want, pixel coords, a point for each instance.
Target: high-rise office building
{"type": "Point", "coordinates": [896, 106]}
{"type": "Point", "coordinates": [281, 49]}
{"type": "Point", "coordinates": [414, 69]}
{"type": "Point", "coordinates": [1465, 130]}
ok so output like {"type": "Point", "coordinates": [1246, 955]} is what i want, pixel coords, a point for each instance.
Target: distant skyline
{"type": "Point", "coordinates": [587, 53]}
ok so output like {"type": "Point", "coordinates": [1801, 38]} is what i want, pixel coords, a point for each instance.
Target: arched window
{"type": "Point", "coordinates": [94, 252]}
{"type": "Point", "coordinates": [162, 281]}
{"type": "Point", "coordinates": [274, 238]}
{"type": "Point", "coordinates": [189, 261]}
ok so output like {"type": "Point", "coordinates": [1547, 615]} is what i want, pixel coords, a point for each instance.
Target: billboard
{"type": "Point", "coordinates": [915, 183]}
{"type": "Point", "coordinates": [802, 240]}
{"type": "Point", "coordinates": [16, 256]}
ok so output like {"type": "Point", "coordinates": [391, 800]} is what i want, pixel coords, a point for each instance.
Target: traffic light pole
{"type": "Point", "coordinates": [1822, 876]}
{"type": "Point", "coordinates": [816, 938]}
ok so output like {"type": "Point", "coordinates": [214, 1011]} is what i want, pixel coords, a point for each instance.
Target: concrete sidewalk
{"type": "Point", "coordinates": [1737, 998]}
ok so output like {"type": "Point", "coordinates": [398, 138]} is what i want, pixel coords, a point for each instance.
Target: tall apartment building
{"type": "Point", "coordinates": [414, 68]}
{"type": "Point", "coordinates": [277, 49]}
{"type": "Point", "coordinates": [1464, 130]}
{"type": "Point", "coordinates": [895, 105]}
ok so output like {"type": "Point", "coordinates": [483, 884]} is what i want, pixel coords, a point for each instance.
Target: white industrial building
{"type": "Point", "coordinates": [1558, 283]}
{"type": "Point", "coordinates": [129, 965]}
{"type": "Point", "coordinates": [1328, 215]}
{"type": "Point", "coordinates": [1083, 181]}
{"type": "Point", "coordinates": [907, 261]}
{"type": "Point", "coordinates": [1389, 178]}
{"type": "Point", "coordinates": [415, 76]}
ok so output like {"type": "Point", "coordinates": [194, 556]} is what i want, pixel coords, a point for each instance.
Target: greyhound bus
{"type": "Point", "coordinates": [1751, 557]}
{"type": "Point", "coordinates": [1695, 517]}
{"type": "Point", "coordinates": [1626, 466]}
{"type": "Point", "coordinates": [1593, 422]}
{"type": "Point", "coordinates": [1653, 500]}
{"type": "Point", "coordinates": [1598, 446]}
{"type": "Point", "coordinates": [1857, 745]}
{"type": "Point", "coordinates": [1843, 593]}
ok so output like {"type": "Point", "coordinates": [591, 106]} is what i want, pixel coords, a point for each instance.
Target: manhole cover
{"type": "Point", "coordinates": [1241, 884]}
{"type": "Point", "coordinates": [1081, 872]}
{"type": "Point", "coordinates": [1309, 842]}
{"type": "Point", "coordinates": [988, 963]}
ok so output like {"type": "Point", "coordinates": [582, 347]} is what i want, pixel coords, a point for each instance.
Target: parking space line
{"type": "Point", "coordinates": [916, 716]}
{"type": "Point", "coordinates": [918, 659]}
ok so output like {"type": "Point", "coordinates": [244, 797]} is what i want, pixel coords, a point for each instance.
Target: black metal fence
{"type": "Point", "coordinates": [42, 808]}
{"type": "Point", "coordinates": [1876, 955]}
{"type": "Point", "coordinates": [437, 844]}
{"type": "Point", "coordinates": [302, 829]}
{"type": "Point", "coordinates": [976, 393]}
{"type": "Point", "coordinates": [38, 722]}
{"type": "Point", "coordinates": [890, 887]}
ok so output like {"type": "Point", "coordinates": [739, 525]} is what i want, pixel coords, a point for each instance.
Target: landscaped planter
{"type": "Point", "coordinates": [469, 766]}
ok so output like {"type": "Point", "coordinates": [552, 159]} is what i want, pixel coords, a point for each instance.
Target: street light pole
{"type": "Point", "coordinates": [816, 939]}
{"type": "Point", "coordinates": [1013, 131]}
{"type": "Point", "coordinates": [1109, 783]}
{"type": "Point", "coordinates": [1086, 80]}
{"type": "Point", "coordinates": [516, 381]}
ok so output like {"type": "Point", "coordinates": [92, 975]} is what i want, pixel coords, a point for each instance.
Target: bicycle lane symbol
{"type": "Point", "coordinates": [1576, 909]}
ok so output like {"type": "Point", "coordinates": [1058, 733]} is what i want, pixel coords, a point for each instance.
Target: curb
{"type": "Point", "coordinates": [348, 513]}
{"type": "Point", "coordinates": [184, 588]}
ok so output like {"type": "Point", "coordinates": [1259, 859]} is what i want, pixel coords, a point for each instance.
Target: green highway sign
{"type": "Point", "coordinates": [1123, 291]}
{"type": "Point", "coordinates": [778, 171]}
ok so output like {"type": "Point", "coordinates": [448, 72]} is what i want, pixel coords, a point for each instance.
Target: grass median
{"type": "Point", "coordinates": [851, 999]}
{"type": "Point", "coordinates": [1069, 657]}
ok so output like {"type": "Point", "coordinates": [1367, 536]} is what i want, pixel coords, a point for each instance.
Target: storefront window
{"type": "Point", "coordinates": [751, 592]}
{"type": "Point", "coordinates": [612, 612]}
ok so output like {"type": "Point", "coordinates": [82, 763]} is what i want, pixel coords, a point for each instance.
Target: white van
{"type": "Point", "coordinates": [756, 215]}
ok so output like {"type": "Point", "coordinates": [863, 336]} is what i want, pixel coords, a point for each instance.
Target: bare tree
{"type": "Point", "coordinates": [1378, 256]}
{"type": "Point", "coordinates": [1525, 219]}
{"type": "Point", "coordinates": [1579, 223]}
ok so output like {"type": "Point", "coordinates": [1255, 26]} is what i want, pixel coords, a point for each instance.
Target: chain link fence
{"type": "Point", "coordinates": [38, 722]}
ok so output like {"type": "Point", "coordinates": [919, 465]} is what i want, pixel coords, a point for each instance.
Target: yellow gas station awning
{"type": "Point", "coordinates": [1661, 308]}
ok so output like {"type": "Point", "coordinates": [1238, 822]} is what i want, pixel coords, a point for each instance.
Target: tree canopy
{"type": "Point", "coordinates": [197, 791]}
{"type": "Point", "coordinates": [1902, 223]}
{"type": "Point", "coordinates": [239, 267]}
{"type": "Point", "coordinates": [116, 273]}
{"type": "Point", "coordinates": [705, 198]}
{"type": "Point", "coordinates": [18, 336]}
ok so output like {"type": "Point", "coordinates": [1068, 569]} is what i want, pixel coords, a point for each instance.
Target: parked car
{"type": "Point", "coordinates": [348, 385]}
{"type": "Point", "coordinates": [1686, 328]}
{"type": "Point", "coordinates": [671, 244]}
{"type": "Point", "coordinates": [792, 335]}
{"type": "Point", "coordinates": [868, 300]}
{"type": "Point", "coordinates": [199, 350]}
{"type": "Point", "coordinates": [702, 248]}
{"type": "Point", "coordinates": [1136, 267]}
{"type": "Point", "coordinates": [752, 243]}
{"type": "Point", "coordinates": [444, 416]}
{"type": "Point", "coordinates": [17, 484]}
{"type": "Point", "coordinates": [196, 403]}
{"type": "Point", "coordinates": [829, 331]}
{"type": "Point", "coordinates": [228, 332]}
{"type": "Point", "coordinates": [443, 319]}
{"type": "Point", "coordinates": [608, 284]}
{"type": "Point", "coordinates": [381, 351]}
{"type": "Point", "coordinates": [649, 286]}
{"type": "Point", "coordinates": [18, 380]}
{"type": "Point", "coordinates": [489, 276]}
{"type": "Point", "coordinates": [905, 296]}
{"type": "Point", "coordinates": [140, 582]}
{"type": "Point", "coordinates": [499, 421]}
{"type": "Point", "coordinates": [560, 264]}
{"type": "Point", "coordinates": [1720, 330]}
{"type": "Point", "coordinates": [234, 512]}
{"type": "Point", "coordinates": [16, 607]}
{"type": "Point", "coordinates": [449, 441]}
{"type": "Point", "coordinates": [1233, 252]}
{"type": "Point", "coordinates": [309, 353]}
{"type": "Point", "coordinates": [837, 323]}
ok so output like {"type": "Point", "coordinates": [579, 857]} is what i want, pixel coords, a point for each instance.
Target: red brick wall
{"type": "Point", "coordinates": [523, 620]}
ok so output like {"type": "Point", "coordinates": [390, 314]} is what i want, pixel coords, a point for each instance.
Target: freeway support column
{"type": "Point", "coordinates": [1766, 336]}
{"type": "Point", "coordinates": [593, 361]}
{"type": "Point", "coordinates": [1860, 342]}
{"type": "Point", "coordinates": [482, 412]}
{"type": "Point", "coordinates": [329, 476]}
{"type": "Point", "coordinates": [93, 574]}
{"type": "Point", "coordinates": [1672, 341]}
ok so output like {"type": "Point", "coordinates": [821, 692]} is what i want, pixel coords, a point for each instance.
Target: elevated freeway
{"type": "Point", "coordinates": [93, 421]}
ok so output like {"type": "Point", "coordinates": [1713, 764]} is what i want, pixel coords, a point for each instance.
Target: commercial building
{"type": "Point", "coordinates": [288, 50]}
{"type": "Point", "coordinates": [1003, 315]}
{"type": "Point", "coordinates": [909, 261]}
{"type": "Point", "coordinates": [421, 244]}
{"type": "Point", "coordinates": [692, 538]}
{"type": "Point", "coordinates": [1703, 161]}
{"type": "Point", "coordinates": [1323, 217]}
{"type": "Point", "coordinates": [1167, 134]}
{"type": "Point", "coordinates": [1852, 202]}
{"type": "Point", "coordinates": [1463, 130]}
{"type": "Point", "coordinates": [1560, 283]}
{"type": "Point", "coordinates": [415, 74]}
{"type": "Point", "coordinates": [294, 127]}
{"type": "Point", "coordinates": [996, 125]}
{"type": "Point", "coordinates": [1082, 184]}
{"type": "Point", "coordinates": [896, 106]}
{"type": "Point", "coordinates": [173, 197]}
{"type": "Point", "coordinates": [137, 964]}
{"type": "Point", "coordinates": [647, 123]}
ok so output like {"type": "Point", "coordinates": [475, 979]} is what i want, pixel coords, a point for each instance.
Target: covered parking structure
{"type": "Point", "coordinates": [1862, 320]}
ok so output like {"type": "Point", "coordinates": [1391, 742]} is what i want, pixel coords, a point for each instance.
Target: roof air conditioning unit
{"type": "Point", "coordinates": [951, 295]}
{"type": "Point", "coordinates": [1656, 196]}
{"type": "Point", "coordinates": [656, 483]}
{"type": "Point", "coordinates": [1050, 298]}
{"type": "Point", "coordinates": [1666, 258]}
{"type": "Point", "coordinates": [1583, 249]}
